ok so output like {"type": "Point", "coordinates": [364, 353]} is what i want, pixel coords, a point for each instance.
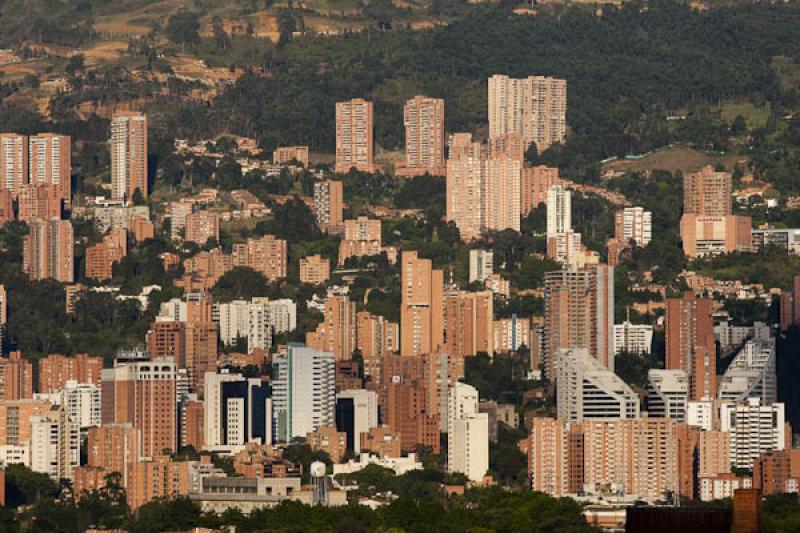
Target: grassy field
{"type": "Point", "coordinates": [672, 159]}
{"type": "Point", "coordinates": [755, 117]}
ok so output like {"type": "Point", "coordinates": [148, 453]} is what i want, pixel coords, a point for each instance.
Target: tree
{"type": "Point", "coordinates": [75, 65]}
{"type": "Point", "coordinates": [739, 125]}
{"type": "Point", "coordinates": [221, 38]}
{"type": "Point", "coordinates": [286, 27]}
{"type": "Point", "coordinates": [532, 154]}
{"type": "Point", "coordinates": [183, 27]}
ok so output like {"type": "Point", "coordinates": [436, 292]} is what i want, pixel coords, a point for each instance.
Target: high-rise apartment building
{"type": "Point", "coordinates": [462, 401]}
{"type": "Point", "coordinates": [337, 331]}
{"type": "Point", "coordinates": [50, 163]}
{"type": "Point", "coordinates": [423, 118]}
{"type": "Point", "coordinates": [633, 338]}
{"type": "Point", "coordinates": [559, 210]}
{"type": "Point", "coordinates": [315, 269]}
{"type": "Point", "coordinates": [267, 254]}
{"type": "Point", "coordinates": [3, 315]}
{"type": "Point", "coordinates": [468, 323]}
{"type": "Point", "coordinates": [48, 249]}
{"type": "Point", "coordinates": [39, 202]}
{"type": "Point", "coordinates": [16, 377]}
{"type": "Point", "coordinates": [777, 472]}
{"type": "Point", "coordinates": [128, 154]}
{"type": "Point", "coordinates": [354, 136]}
{"type": "Point", "coordinates": [356, 415]}
{"type": "Point", "coordinates": [579, 313]}
{"type": "Point", "coordinates": [329, 205]}
{"type": "Point", "coordinates": [201, 352]}
{"type": "Point", "coordinates": [13, 162]}
{"type": "Point", "coordinates": [481, 265]}
{"type": "Point", "coordinates": [510, 145]}
{"type": "Point", "coordinates": [534, 107]}
{"type": "Point", "coordinates": [412, 390]}
{"type": "Point", "coordinates": [167, 339]}
{"type": "Point", "coordinates": [375, 338]}
{"type": "Point", "coordinates": [113, 447]}
{"type": "Point", "coordinates": [503, 193]}
{"type": "Point", "coordinates": [510, 334]}
{"type": "Point", "coordinates": [56, 370]}
{"type": "Point", "coordinates": [253, 321]}
{"type": "Point", "coordinates": [587, 390]}
{"type": "Point", "coordinates": [536, 181]}
{"type": "Point", "coordinates": [55, 444]}
{"type": "Point", "coordinates": [81, 401]}
{"type": "Point", "coordinates": [466, 193]}
{"type": "Point", "coordinates": [690, 343]}
{"type": "Point", "coordinates": [633, 224]}
{"type": "Point", "coordinates": [421, 311]}
{"type": "Point", "coordinates": [201, 226]}
{"type": "Point", "coordinates": [667, 394]}
{"type": "Point", "coordinates": [6, 206]}
{"type": "Point", "coordinates": [468, 446]}
{"type": "Point", "coordinates": [143, 393]}
{"type": "Point", "coordinates": [303, 393]}
{"type": "Point", "coordinates": [753, 428]}
{"type": "Point", "coordinates": [708, 193]}
{"type": "Point", "coordinates": [362, 237]}
{"type": "Point", "coordinates": [101, 257]}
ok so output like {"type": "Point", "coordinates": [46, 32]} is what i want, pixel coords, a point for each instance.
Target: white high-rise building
{"type": "Point", "coordinates": [667, 394]}
{"type": "Point", "coordinates": [701, 414]}
{"type": "Point", "coordinates": [55, 444]}
{"type": "Point", "coordinates": [282, 315]}
{"type": "Point", "coordinates": [304, 392]}
{"type": "Point", "coordinates": [481, 265]}
{"type": "Point", "coordinates": [236, 411]}
{"type": "Point", "coordinates": [633, 338]}
{"type": "Point", "coordinates": [80, 400]}
{"type": "Point", "coordinates": [462, 400]}
{"type": "Point", "coordinates": [586, 390]}
{"type": "Point", "coordinates": [752, 373]}
{"type": "Point", "coordinates": [559, 210]}
{"type": "Point", "coordinates": [468, 446]}
{"type": "Point", "coordinates": [243, 319]}
{"type": "Point", "coordinates": [633, 224]}
{"type": "Point", "coordinates": [359, 406]}
{"type": "Point", "coordinates": [753, 428]}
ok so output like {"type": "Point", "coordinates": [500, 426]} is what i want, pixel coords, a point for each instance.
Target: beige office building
{"type": "Point", "coordinates": [534, 107]}
{"type": "Point", "coordinates": [354, 136]}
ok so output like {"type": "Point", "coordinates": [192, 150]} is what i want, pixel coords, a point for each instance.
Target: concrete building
{"type": "Point", "coordinates": [709, 235]}
{"type": "Point", "coordinates": [559, 210]}
{"type": "Point", "coordinates": [284, 155]}
{"type": "Point", "coordinates": [375, 338]}
{"type": "Point", "coordinates": [667, 394]}
{"type": "Point", "coordinates": [633, 224]}
{"type": "Point", "coordinates": [114, 448]}
{"type": "Point", "coordinates": [202, 339]}
{"type": "Point", "coordinates": [48, 250]}
{"type": "Point", "coordinates": [468, 323]}
{"type": "Point", "coordinates": [534, 107]}
{"type": "Point", "coordinates": [50, 163]}
{"type": "Point", "coordinates": [722, 486]}
{"type": "Point", "coordinates": [753, 429]}
{"type": "Point", "coordinates": [785, 239]}
{"type": "Point", "coordinates": [56, 370]}
{"type": "Point", "coordinates": [423, 118]}
{"type": "Point", "coordinates": [16, 377]}
{"type": "Point", "coordinates": [13, 162]}
{"type": "Point", "coordinates": [362, 237]}
{"type": "Point", "coordinates": [462, 401]}
{"type": "Point", "coordinates": [81, 402]}
{"type": "Point", "coordinates": [468, 446]}
{"type": "Point", "coordinates": [6, 206]}
{"type": "Point", "coordinates": [466, 192]}
{"type": "Point", "coordinates": [143, 393]}
{"type": "Point", "coordinates": [304, 392]}
{"type": "Point", "coordinates": [236, 411]}
{"type": "Point", "coordinates": [268, 255]}
{"type": "Point", "coordinates": [708, 193]}
{"type": "Point", "coordinates": [752, 373]}
{"type": "Point", "coordinates": [502, 195]}
{"type": "Point", "coordinates": [101, 257]}
{"type": "Point", "coordinates": [511, 334]}
{"type": "Point", "coordinates": [587, 390]}
{"type": "Point", "coordinates": [421, 307]}
{"type": "Point", "coordinates": [202, 226]}
{"type": "Point", "coordinates": [354, 136]}
{"type": "Point", "coordinates": [337, 331]}
{"type": "Point", "coordinates": [55, 444]}
{"type": "Point", "coordinates": [39, 202]}
{"type": "Point", "coordinates": [633, 338]}
{"type": "Point", "coordinates": [315, 270]}
{"type": "Point", "coordinates": [481, 265]}
{"type": "Point", "coordinates": [536, 181]}
{"type": "Point", "coordinates": [566, 248]}
{"type": "Point", "coordinates": [578, 313]}
{"type": "Point", "coordinates": [777, 472]}
{"type": "Point", "coordinates": [356, 415]}
{"type": "Point", "coordinates": [128, 146]}
{"type": "Point", "coordinates": [254, 320]}
{"type": "Point", "coordinates": [329, 205]}
{"type": "Point", "coordinates": [690, 343]}
{"type": "Point", "coordinates": [3, 316]}
{"type": "Point", "coordinates": [549, 458]}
